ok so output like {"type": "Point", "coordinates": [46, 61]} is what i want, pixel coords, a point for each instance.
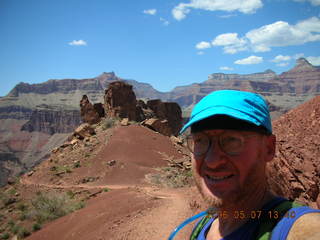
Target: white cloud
{"type": "Point", "coordinates": [281, 58]}
{"type": "Point", "coordinates": [180, 11]}
{"type": "Point", "coordinates": [226, 68]}
{"type": "Point", "coordinates": [203, 45]}
{"type": "Point", "coordinates": [313, 2]}
{"type": "Point", "coordinates": [245, 6]}
{"type": "Point", "coordinates": [277, 34]}
{"type": "Point", "coordinates": [150, 11]}
{"type": "Point", "coordinates": [249, 60]}
{"type": "Point", "coordinates": [78, 43]}
{"type": "Point", "coordinates": [200, 53]}
{"type": "Point", "coordinates": [164, 21]}
{"type": "Point", "coordinates": [282, 34]}
{"type": "Point", "coordinates": [314, 60]}
{"type": "Point", "coordinates": [232, 44]}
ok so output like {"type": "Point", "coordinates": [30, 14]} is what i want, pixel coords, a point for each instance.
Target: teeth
{"type": "Point", "coordinates": [218, 178]}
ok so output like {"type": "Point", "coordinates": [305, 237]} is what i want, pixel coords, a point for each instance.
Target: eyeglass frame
{"type": "Point", "coordinates": [190, 136]}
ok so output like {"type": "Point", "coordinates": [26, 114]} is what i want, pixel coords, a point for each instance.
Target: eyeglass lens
{"type": "Point", "coordinates": [230, 143]}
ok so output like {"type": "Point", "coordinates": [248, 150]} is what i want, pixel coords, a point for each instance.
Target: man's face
{"type": "Point", "coordinates": [225, 179]}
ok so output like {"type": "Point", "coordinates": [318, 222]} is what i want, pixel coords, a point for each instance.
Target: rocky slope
{"type": "Point", "coordinates": [295, 172]}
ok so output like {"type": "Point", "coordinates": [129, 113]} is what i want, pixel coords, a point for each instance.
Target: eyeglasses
{"type": "Point", "coordinates": [231, 143]}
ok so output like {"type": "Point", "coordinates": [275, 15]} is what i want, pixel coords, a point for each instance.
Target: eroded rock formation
{"type": "Point", "coordinates": [90, 113]}
{"type": "Point", "coordinates": [120, 101]}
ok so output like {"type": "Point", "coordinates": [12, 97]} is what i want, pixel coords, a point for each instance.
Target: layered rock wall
{"type": "Point", "coordinates": [51, 121]}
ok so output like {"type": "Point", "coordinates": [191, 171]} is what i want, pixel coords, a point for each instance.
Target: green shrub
{"type": "Point", "coordinates": [70, 194]}
{"type": "Point", "coordinates": [23, 232]}
{"type": "Point", "coordinates": [106, 189]}
{"type": "Point", "coordinates": [22, 207]}
{"type": "Point", "coordinates": [108, 123]}
{"type": "Point", "coordinates": [76, 164]}
{"type": "Point", "coordinates": [12, 191]}
{"type": "Point", "coordinates": [15, 229]}
{"type": "Point", "coordinates": [23, 216]}
{"type": "Point", "coordinates": [5, 236]}
{"type": "Point", "coordinates": [47, 207]}
{"type": "Point", "coordinates": [11, 223]}
{"type": "Point", "coordinates": [172, 177]}
{"type": "Point", "coordinates": [36, 227]}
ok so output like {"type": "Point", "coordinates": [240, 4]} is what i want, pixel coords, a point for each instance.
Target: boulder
{"type": "Point", "coordinates": [83, 131]}
{"type": "Point", "coordinates": [161, 126]}
{"type": "Point", "coordinates": [170, 111]}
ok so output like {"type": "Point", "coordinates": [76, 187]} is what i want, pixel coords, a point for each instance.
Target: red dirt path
{"type": "Point", "coordinates": [133, 209]}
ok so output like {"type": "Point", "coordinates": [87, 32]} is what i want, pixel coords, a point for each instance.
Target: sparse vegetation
{"type": "Point", "coordinates": [108, 123]}
{"type": "Point", "coordinates": [106, 189]}
{"type": "Point", "coordinates": [5, 200]}
{"type": "Point", "coordinates": [15, 229]}
{"type": "Point", "coordinates": [61, 169]}
{"type": "Point", "coordinates": [36, 227]}
{"type": "Point", "coordinates": [23, 232]}
{"type": "Point", "coordinates": [76, 164]}
{"type": "Point", "coordinates": [172, 177]}
{"type": "Point", "coordinates": [5, 236]}
{"type": "Point", "coordinates": [50, 206]}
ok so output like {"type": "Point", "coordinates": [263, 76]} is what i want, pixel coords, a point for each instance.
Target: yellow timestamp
{"type": "Point", "coordinates": [254, 214]}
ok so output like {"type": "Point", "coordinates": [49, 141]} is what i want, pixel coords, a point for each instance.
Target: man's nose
{"type": "Point", "coordinates": [215, 156]}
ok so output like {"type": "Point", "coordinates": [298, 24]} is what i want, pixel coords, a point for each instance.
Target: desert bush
{"type": "Point", "coordinates": [172, 177]}
{"type": "Point", "coordinates": [10, 223]}
{"type": "Point", "coordinates": [5, 236]}
{"type": "Point", "coordinates": [108, 123]}
{"type": "Point", "coordinates": [15, 229]}
{"type": "Point", "coordinates": [23, 216]}
{"type": "Point", "coordinates": [22, 207]}
{"type": "Point", "coordinates": [36, 227]}
{"type": "Point", "coordinates": [47, 207]}
{"type": "Point", "coordinates": [23, 232]}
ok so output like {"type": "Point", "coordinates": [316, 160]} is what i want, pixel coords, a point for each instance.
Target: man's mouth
{"type": "Point", "coordinates": [216, 179]}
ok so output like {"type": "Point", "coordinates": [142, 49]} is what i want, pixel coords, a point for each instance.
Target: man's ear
{"type": "Point", "coordinates": [270, 147]}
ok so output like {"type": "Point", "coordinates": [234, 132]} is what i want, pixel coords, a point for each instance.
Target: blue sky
{"type": "Point", "coordinates": [164, 43]}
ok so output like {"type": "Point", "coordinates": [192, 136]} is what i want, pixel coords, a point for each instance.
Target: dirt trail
{"type": "Point", "coordinates": [160, 221]}
{"type": "Point", "coordinates": [157, 222]}
{"type": "Point", "coordinates": [133, 210]}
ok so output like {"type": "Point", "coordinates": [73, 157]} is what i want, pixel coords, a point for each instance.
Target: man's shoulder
{"type": "Point", "coordinates": [306, 227]}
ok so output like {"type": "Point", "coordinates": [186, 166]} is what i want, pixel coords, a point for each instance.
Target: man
{"type": "Point", "coordinates": [231, 140]}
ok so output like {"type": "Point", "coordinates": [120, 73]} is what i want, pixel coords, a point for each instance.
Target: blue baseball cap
{"type": "Point", "coordinates": [240, 105]}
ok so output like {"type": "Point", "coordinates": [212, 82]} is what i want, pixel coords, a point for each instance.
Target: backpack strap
{"type": "Point", "coordinates": [271, 217]}
{"type": "Point", "coordinates": [282, 229]}
{"type": "Point", "coordinates": [199, 226]}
